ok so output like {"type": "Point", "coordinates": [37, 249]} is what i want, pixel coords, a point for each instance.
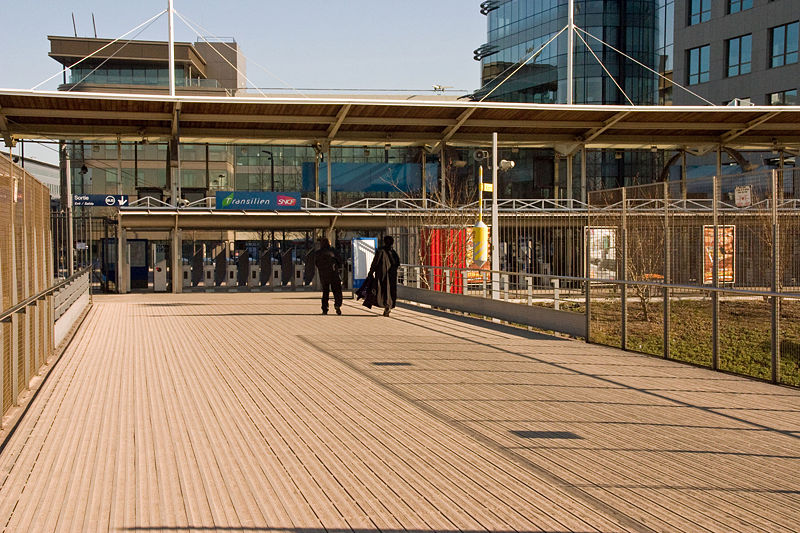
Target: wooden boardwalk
{"type": "Point", "coordinates": [252, 412]}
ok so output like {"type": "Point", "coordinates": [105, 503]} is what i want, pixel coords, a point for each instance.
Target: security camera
{"type": "Point", "coordinates": [506, 165]}
{"type": "Point", "coordinates": [481, 155]}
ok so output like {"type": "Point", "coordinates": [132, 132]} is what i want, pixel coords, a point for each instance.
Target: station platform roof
{"type": "Point", "coordinates": [378, 121]}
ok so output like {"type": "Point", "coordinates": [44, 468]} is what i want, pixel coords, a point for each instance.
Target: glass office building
{"type": "Point", "coordinates": [518, 29]}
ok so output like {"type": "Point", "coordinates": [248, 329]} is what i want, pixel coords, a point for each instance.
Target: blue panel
{"type": "Point", "coordinates": [371, 177]}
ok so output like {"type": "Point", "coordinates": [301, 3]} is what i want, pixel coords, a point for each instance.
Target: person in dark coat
{"type": "Point", "coordinates": [384, 268]}
{"type": "Point", "coordinates": [328, 265]}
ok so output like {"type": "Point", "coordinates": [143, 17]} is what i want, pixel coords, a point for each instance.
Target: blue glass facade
{"type": "Point", "coordinates": [518, 28]}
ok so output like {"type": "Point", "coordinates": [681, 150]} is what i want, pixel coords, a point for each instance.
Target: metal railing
{"type": "Point", "coordinates": [680, 326]}
{"type": "Point", "coordinates": [27, 333]}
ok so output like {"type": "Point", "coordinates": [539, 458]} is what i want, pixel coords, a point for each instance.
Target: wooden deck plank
{"type": "Point", "coordinates": [252, 411]}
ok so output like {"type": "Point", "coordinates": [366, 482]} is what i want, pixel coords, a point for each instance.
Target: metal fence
{"type": "Point", "coordinates": [705, 271]}
{"type": "Point", "coordinates": [26, 272]}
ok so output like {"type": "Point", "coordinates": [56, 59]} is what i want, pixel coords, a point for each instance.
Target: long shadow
{"type": "Point", "coordinates": [514, 331]}
{"type": "Point", "coordinates": [331, 313]}
{"type": "Point", "coordinates": [267, 529]}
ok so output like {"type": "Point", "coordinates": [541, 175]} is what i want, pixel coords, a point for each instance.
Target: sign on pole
{"type": "Point", "coordinates": [99, 200]}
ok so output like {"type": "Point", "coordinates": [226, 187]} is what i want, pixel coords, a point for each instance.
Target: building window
{"type": "Point", "coordinates": [739, 52]}
{"type": "Point", "coordinates": [698, 64]}
{"type": "Point", "coordinates": [784, 42]}
{"type": "Point", "coordinates": [734, 6]}
{"type": "Point", "coordinates": [783, 98]}
{"type": "Point", "coordinates": [699, 11]}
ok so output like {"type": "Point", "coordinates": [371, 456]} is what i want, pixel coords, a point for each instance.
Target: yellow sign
{"type": "Point", "coordinates": [488, 187]}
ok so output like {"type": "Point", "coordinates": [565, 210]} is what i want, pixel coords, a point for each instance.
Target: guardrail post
{"type": "Point", "coordinates": [624, 285]}
{"type": "Point", "coordinates": [446, 281]}
{"type": "Point", "coordinates": [587, 274]}
{"type": "Point", "coordinates": [715, 273]}
{"type": "Point", "coordinates": [27, 355]}
{"type": "Point", "coordinates": [483, 284]}
{"type": "Point", "coordinates": [505, 288]}
{"type": "Point", "coordinates": [529, 283]}
{"type": "Point", "coordinates": [667, 271]}
{"type": "Point", "coordinates": [418, 272]}
{"type": "Point", "coordinates": [464, 281]}
{"type": "Point", "coordinates": [776, 301]}
{"type": "Point", "coordinates": [14, 358]}
{"type": "Point", "coordinates": [556, 284]}
{"type": "Point", "coordinates": [431, 284]}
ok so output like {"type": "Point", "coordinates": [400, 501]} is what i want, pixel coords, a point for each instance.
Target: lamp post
{"type": "Point", "coordinates": [271, 171]}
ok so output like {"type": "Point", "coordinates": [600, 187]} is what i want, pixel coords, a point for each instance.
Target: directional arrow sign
{"type": "Point", "coordinates": [99, 200]}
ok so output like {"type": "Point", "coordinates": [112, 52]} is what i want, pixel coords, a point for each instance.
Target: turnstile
{"type": "Point", "coordinates": [160, 262]}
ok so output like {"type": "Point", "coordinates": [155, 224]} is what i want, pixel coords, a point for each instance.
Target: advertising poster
{"type": "Point", "coordinates": [602, 252]}
{"type": "Point", "coordinates": [726, 236]}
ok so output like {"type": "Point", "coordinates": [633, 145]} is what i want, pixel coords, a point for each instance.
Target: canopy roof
{"type": "Point", "coordinates": [379, 121]}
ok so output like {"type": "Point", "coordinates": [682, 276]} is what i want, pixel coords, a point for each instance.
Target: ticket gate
{"type": "Point", "coordinates": [243, 268]}
{"type": "Point", "coordinates": [160, 262]}
{"type": "Point", "coordinates": [197, 267]}
{"type": "Point", "coordinates": [232, 271]}
{"type": "Point", "coordinates": [220, 268]}
{"type": "Point", "coordinates": [298, 279]}
{"type": "Point", "coordinates": [187, 274]}
{"type": "Point", "coordinates": [254, 279]}
{"type": "Point", "coordinates": [266, 274]}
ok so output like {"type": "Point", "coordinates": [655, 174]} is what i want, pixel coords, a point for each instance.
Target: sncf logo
{"type": "Point", "coordinates": [288, 201]}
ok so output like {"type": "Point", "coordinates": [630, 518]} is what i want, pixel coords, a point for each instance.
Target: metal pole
{"type": "Point", "coordinates": [715, 268]}
{"type": "Point", "coordinates": [667, 270]}
{"type": "Point", "coordinates": [570, 162]}
{"type": "Point", "coordinates": [70, 247]}
{"type": "Point", "coordinates": [119, 166]}
{"type": "Point", "coordinates": [329, 199]}
{"type": "Point", "coordinates": [583, 174]}
{"type": "Point", "coordinates": [624, 286]}
{"type": "Point", "coordinates": [171, 10]}
{"type": "Point", "coordinates": [443, 174]}
{"type": "Point", "coordinates": [424, 182]}
{"type": "Point", "coordinates": [776, 302]}
{"type": "Point", "coordinates": [570, 50]}
{"type": "Point", "coordinates": [495, 232]}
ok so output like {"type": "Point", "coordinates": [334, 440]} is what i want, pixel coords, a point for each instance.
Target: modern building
{"type": "Point", "coordinates": [103, 65]}
{"type": "Point", "coordinates": [46, 173]}
{"type": "Point", "coordinates": [737, 52]}
{"type": "Point", "coordinates": [517, 29]}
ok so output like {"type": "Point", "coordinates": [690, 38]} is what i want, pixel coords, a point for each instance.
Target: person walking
{"type": "Point", "coordinates": [384, 268]}
{"type": "Point", "coordinates": [328, 265]}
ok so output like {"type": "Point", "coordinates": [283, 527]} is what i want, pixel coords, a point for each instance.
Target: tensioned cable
{"type": "Point", "coordinates": [531, 57]}
{"type": "Point", "coordinates": [106, 60]}
{"type": "Point", "coordinates": [194, 29]}
{"type": "Point", "coordinates": [101, 49]}
{"type": "Point", "coordinates": [218, 52]}
{"type": "Point", "coordinates": [605, 69]}
{"type": "Point", "coordinates": [646, 67]}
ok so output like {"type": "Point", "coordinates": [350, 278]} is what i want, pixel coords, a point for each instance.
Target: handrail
{"type": "Point", "coordinates": [747, 292]}
{"type": "Point", "coordinates": [5, 315]}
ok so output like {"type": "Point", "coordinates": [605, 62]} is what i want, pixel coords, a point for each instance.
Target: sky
{"type": "Point", "coordinates": [324, 44]}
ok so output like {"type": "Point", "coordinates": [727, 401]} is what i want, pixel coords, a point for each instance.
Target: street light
{"type": "Point", "coordinates": [271, 171]}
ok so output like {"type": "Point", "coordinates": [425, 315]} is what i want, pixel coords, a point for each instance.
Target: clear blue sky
{"type": "Point", "coordinates": [326, 44]}
{"type": "Point", "coordinates": [375, 44]}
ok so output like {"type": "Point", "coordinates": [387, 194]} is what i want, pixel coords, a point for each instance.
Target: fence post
{"type": "Point", "coordinates": [624, 286]}
{"type": "Point", "coordinates": [483, 283]}
{"type": "Point", "coordinates": [465, 275]}
{"type": "Point", "coordinates": [431, 281]}
{"type": "Point", "coordinates": [529, 283]}
{"type": "Point", "coordinates": [446, 280]}
{"type": "Point", "coordinates": [505, 288]}
{"type": "Point", "coordinates": [667, 271]}
{"type": "Point", "coordinates": [715, 275]}
{"type": "Point", "coordinates": [418, 273]}
{"type": "Point", "coordinates": [587, 270]}
{"type": "Point", "coordinates": [776, 302]}
{"type": "Point", "coordinates": [556, 284]}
